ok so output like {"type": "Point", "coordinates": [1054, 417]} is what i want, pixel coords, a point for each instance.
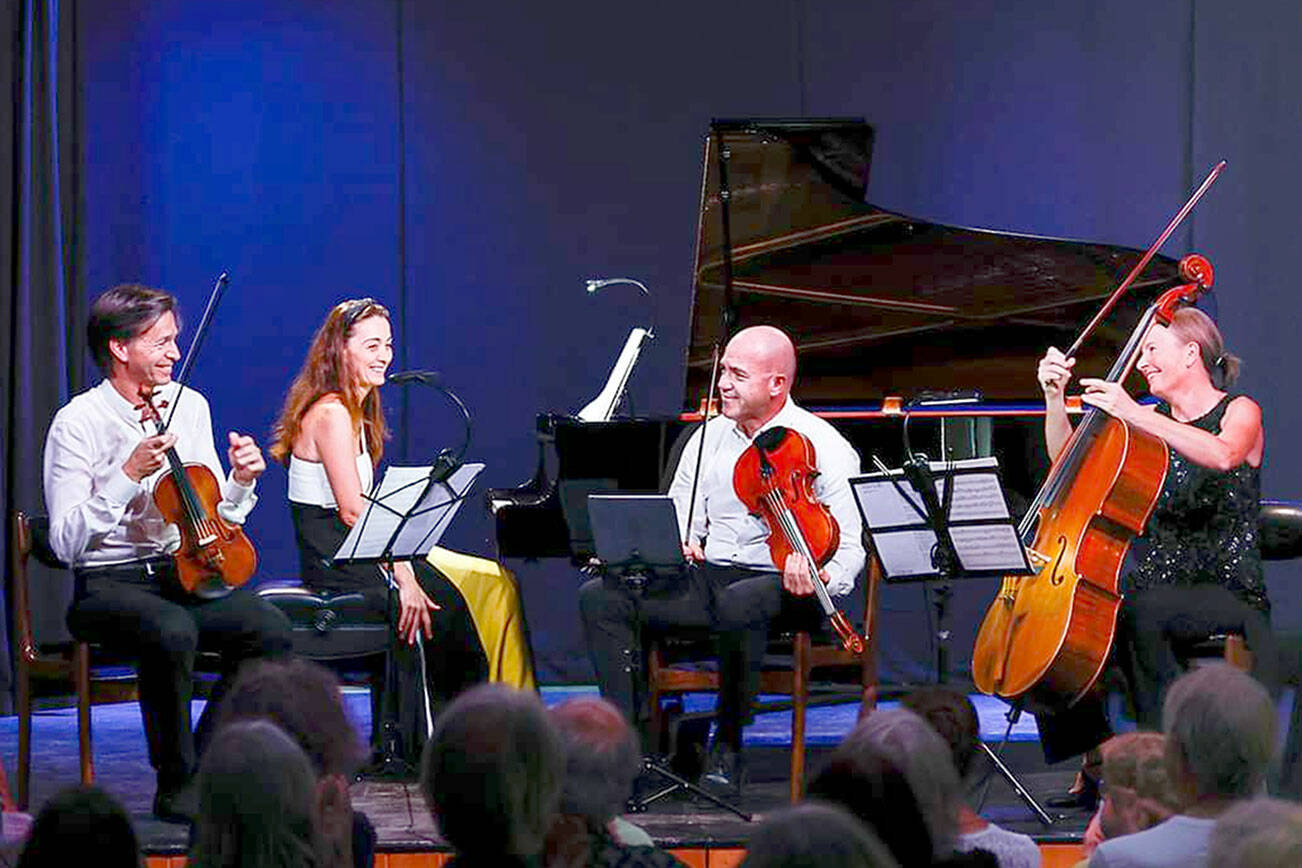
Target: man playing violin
{"type": "Point", "coordinates": [1196, 569]}
{"type": "Point", "coordinates": [737, 589]}
{"type": "Point", "coordinates": [102, 463]}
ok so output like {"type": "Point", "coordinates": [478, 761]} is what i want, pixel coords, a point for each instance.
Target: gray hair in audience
{"type": "Point", "coordinates": [924, 759]}
{"type": "Point", "coordinates": [601, 757]}
{"type": "Point", "coordinates": [256, 801]}
{"type": "Point", "coordinates": [1260, 833]}
{"type": "Point", "coordinates": [815, 835]}
{"type": "Point", "coordinates": [492, 772]}
{"type": "Point", "coordinates": [1220, 731]}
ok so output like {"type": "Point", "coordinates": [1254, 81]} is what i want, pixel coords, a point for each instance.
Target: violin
{"type": "Point", "coordinates": [774, 477]}
{"type": "Point", "coordinates": [215, 555]}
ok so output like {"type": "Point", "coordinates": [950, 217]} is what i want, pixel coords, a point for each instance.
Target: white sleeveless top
{"type": "Point", "coordinates": [308, 482]}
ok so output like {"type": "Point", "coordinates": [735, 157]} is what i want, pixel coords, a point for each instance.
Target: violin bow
{"type": "Point", "coordinates": [1147, 257]}
{"type": "Point", "coordinates": [199, 333]}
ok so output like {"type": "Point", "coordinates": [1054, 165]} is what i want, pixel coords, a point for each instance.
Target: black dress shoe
{"type": "Point", "coordinates": [180, 805]}
{"type": "Point", "coordinates": [1084, 795]}
{"type": "Point", "coordinates": [725, 772]}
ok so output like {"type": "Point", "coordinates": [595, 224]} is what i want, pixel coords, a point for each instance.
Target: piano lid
{"type": "Point", "coordinates": [879, 303]}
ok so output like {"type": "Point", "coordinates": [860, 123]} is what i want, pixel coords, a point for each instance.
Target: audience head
{"type": "Point", "coordinates": [77, 822]}
{"type": "Point", "coordinates": [815, 835]}
{"type": "Point", "coordinates": [953, 717]}
{"type": "Point", "coordinates": [601, 757]}
{"type": "Point", "coordinates": [894, 773]}
{"type": "Point", "coordinates": [1137, 790]}
{"type": "Point", "coordinates": [1220, 733]}
{"type": "Point", "coordinates": [256, 800]}
{"type": "Point", "coordinates": [924, 759]}
{"type": "Point", "coordinates": [492, 772]}
{"type": "Point", "coordinates": [303, 699]}
{"type": "Point", "coordinates": [1259, 833]}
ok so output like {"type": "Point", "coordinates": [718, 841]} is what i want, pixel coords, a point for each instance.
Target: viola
{"type": "Point", "coordinates": [215, 554]}
{"type": "Point", "coordinates": [774, 477]}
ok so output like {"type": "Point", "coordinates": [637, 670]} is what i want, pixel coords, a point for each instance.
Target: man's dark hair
{"type": "Point", "coordinates": [302, 698]}
{"type": "Point", "coordinates": [874, 789]}
{"type": "Point", "coordinates": [122, 313]}
{"type": "Point", "coordinates": [492, 773]}
{"type": "Point", "coordinates": [952, 715]}
{"type": "Point", "coordinates": [76, 823]}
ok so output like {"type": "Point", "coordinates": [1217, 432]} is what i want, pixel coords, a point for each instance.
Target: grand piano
{"type": "Point", "coordinates": [897, 321]}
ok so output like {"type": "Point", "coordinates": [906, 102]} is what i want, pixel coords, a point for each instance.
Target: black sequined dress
{"type": "Point", "coordinates": [1204, 526]}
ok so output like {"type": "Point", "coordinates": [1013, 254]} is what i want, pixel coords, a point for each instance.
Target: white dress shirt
{"type": "Point", "coordinates": [735, 537]}
{"type": "Point", "coordinates": [99, 515]}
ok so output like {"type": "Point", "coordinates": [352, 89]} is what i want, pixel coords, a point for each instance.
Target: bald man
{"type": "Point", "coordinates": [737, 589]}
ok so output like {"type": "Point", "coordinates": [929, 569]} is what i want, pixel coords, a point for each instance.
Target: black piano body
{"type": "Point", "coordinates": [878, 304]}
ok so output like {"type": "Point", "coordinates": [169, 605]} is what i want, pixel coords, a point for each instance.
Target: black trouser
{"type": "Point", "coordinates": [454, 657]}
{"type": "Point", "coordinates": [735, 603]}
{"type": "Point", "coordinates": [124, 609]}
{"type": "Point", "coordinates": [1152, 623]}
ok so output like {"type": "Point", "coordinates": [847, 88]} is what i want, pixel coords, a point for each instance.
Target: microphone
{"type": "Point", "coordinates": [595, 283]}
{"type": "Point", "coordinates": [426, 378]}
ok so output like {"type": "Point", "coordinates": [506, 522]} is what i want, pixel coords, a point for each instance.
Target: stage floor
{"type": "Point", "coordinates": [404, 825]}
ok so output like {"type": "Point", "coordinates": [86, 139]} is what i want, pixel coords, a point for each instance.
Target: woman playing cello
{"type": "Point", "coordinates": [1196, 569]}
{"type": "Point", "coordinates": [331, 435]}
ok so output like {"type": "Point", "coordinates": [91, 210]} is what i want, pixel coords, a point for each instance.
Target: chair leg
{"type": "Point", "coordinates": [799, 700]}
{"type": "Point", "coordinates": [81, 674]}
{"type": "Point", "coordinates": [24, 699]}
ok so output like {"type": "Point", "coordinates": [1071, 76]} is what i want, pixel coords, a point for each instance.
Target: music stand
{"type": "Point", "coordinates": [406, 515]}
{"type": "Point", "coordinates": [945, 520]}
{"type": "Point", "coordinates": [638, 548]}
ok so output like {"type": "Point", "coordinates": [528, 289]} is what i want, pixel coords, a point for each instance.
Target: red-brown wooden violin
{"type": "Point", "coordinates": [215, 554]}
{"type": "Point", "coordinates": [774, 477]}
{"type": "Point", "coordinates": [1046, 637]}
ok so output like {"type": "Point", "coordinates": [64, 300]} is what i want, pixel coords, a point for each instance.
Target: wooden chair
{"type": "Point", "coordinates": [64, 662]}
{"type": "Point", "coordinates": [792, 679]}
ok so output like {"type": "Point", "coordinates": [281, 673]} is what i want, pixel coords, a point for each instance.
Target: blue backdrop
{"type": "Point", "coordinates": [471, 164]}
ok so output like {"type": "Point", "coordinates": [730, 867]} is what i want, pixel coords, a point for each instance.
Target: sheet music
{"type": "Point", "coordinates": [398, 497]}
{"type": "Point", "coordinates": [979, 523]}
{"type": "Point", "coordinates": [988, 547]}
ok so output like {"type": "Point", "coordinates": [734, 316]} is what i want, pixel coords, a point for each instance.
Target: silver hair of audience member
{"type": "Point", "coordinates": [924, 759]}
{"type": "Point", "coordinates": [256, 801]}
{"type": "Point", "coordinates": [492, 772]}
{"type": "Point", "coordinates": [1220, 731]}
{"type": "Point", "coordinates": [601, 757]}
{"type": "Point", "coordinates": [1259, 833]}
{"type": "Point", "coordinates": [815, 835]}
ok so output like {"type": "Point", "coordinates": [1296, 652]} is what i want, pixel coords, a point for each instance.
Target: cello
{"type": "Point", "coordinates": [1046, 637]}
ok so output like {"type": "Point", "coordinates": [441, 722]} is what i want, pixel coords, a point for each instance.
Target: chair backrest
{"type": "Point", "coordinates": [38, 613]}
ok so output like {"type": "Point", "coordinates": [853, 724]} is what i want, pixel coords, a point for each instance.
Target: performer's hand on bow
{"type": "Point", "coordinates": [796, 578]}
{"type": "Point", "coordinates": [246, 458]}
{"type": "Point", "coordinates": [148, 456]}
{"type": "Point", "coordinates": [414, 615]}
{"type": "Point", "coordinates": [1054, 372]}
{"type": "Point", "coordinates": [693, 552]}
{"type": "Point", "coordinates": [1111, 398]}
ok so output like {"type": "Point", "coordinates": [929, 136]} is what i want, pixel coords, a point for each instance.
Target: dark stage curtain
{"type": "Point", "coordinates": [41, 309]}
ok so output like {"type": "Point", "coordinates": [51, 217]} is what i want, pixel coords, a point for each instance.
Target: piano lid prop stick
{"type": "Point", "coordinates": [700, 449]}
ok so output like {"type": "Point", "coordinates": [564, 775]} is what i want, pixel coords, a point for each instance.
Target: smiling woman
{"type": "Point", "coordinates": [331, 436]}
{"type": "Point", "coordinates": [1196, 568]}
